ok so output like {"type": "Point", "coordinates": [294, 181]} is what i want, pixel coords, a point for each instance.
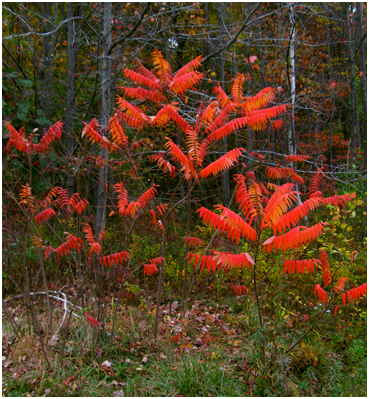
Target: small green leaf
{"type": "Point", "coordinates": [25, 82]}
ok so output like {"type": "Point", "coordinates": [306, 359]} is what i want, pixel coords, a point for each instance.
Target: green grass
{"type": "Point", "coordinates": [230, 365]}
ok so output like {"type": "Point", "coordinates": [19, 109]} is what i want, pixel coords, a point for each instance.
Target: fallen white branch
{"type": "Point", "coordinates": [64, 300]}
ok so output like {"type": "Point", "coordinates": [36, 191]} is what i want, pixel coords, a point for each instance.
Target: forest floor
{"type": "Point", "coordinates": [204, 348]}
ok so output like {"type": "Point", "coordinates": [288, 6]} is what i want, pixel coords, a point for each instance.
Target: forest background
{"type": "Point", "coordinates": [68, 62]}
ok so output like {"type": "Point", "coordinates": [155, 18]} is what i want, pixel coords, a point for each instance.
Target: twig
{"type": "Point", "coordinates": [13, 323]}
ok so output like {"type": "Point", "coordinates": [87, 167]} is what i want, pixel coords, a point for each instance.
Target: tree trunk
{"type": "Point", "coordinates": [361, 44]}
{"type": "Point", "coordinates": [104, 118]}
{"type": "Point", "coordinates": [353, 96]}
{"type": "Point", "coordinates": [72, 54]}
{"type": "Point", "coordinates": [47, 61]}
{"type": "Point", "coordinates": [292, 80]}
{"type": "Point", "coordinates": [225, 175]}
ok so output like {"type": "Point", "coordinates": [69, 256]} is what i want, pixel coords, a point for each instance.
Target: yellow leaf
{"type": "Point", "coordinates": [111, 213]}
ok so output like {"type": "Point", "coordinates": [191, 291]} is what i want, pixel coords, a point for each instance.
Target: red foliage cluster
{"type": "Point", "coordinates": [354, 293]}
{"type": "Point", "coordinates": [91, 321]}
{"type": "Point", "coordinates": [325, 268]}
{"type": "Point", "coordinates": [19, 142]}
{"type": "Point", "coordinates": [44, 216]}
{"type": "Point", "coordinates": [64, 249]}
{"type": "Point", "coordinates": [193, 241]}
{"type": "Point", "coordinates": [240, 289]}
{"type": "Point", "coordinates": [150, 269]}
{"type": "Point", "coordinates": [299, 266]}
{"type": "Point", "coordinates": [116, 258]}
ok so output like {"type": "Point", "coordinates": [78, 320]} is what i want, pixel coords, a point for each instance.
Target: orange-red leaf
{"type": "Point", "coordinates": [150, 269]}
{"type": "Point", "coordinates": [244, 200]}
{"type": "Point", "coordinates": [189, 67]}
{"type": "Point", "coordinates": [141, 79]}
{"type": "Point", "coordinates": [235, 225]}
{"type": "Point", "coordinates": [294, 238]}
{"type": "Point", "coordinates": [223, 163]}
{"type": "Point", "coordinates": [355, 293]}
{"type": "Point", "coordinates": [228, 128]}
{"type": "Point", "coordinates": [180, 157]}
{"type": "Point", "coordinates": [117, 132]}
{"type": "Point", "coordinates": [239, 289]}
{"type": "Point", "coordinates": [64, 249]}
{"type": "Point", "coordinates": [228, 260]}
{"type": "Point", "coordinates": [118, 257]}
{"type": "Point", "coordinates": [260, 100]}
{"type": "Point", "coordinates": [316, 181]}
{"type": "Point", "coordinates": [320, 293]}
{"type": "Point", "coordinates": [340, 285]}
{"type": "Point", "coordinates": [147, 196]}
{"type": "Point", "coordinates": [193, 241]}
{"type": "Point", "coordinates": [300, 266]}
{"type": "Point", "coordinates": [296, 214]}
{"type": "Point", "coordinates": [90, 130]}
{"type": "Point", "coordinates": [296, 158]}
{"type": "Point", "coordinates": [237, 89]}
{"type": "Point", "coordinates": [179, 85]}
{"type": "Point", "coordinates": [325, 268]}
{"type": "Point", "coordinates": [122, 195]}
{"type": "Point", "coordinates": [44, 216]}
{"type": "Point", "coordinates": [280, 202]}
{"type": "Point", "coordinates": [88, 232]}
{"type": "Point", "coordinates": [163, 163]}
{"type": "Point", "coordinates": [92, 322]}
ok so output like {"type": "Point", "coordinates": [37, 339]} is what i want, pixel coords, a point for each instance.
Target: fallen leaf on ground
{"type": "Point", "coordinates": [106, 365]}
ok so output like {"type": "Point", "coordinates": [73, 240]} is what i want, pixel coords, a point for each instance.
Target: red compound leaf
{"type": "Point", "coordinates": [95, 247]}
{"type": "Point", "coordinates": [294, 238]}
{"type": "Point", "coordinates": [163, 163]}
{"type": "Point", "coordinates": [90, 130]}
{"type": "Point", "coordinates": [320, 293]}
{"type": "Point", "coordinates": [122, 195]}
{"type": "Point", "coordinates": [193, 241]}
{"type": "Point", "coordinates": [44, 216]}
{"type": "Point", "coordinates": [147, 196]}
{"type": "Point", "coordinates": [157, 261]}
{"type": "Point", "coordinates": [48, 199]}
{"type": "Point", "coordinates": [150, 269]}
{"type": "Point", "coordinates": [88, 232]}
{"type": "Point", "coordinates": [203, 260]}
{"type": "Point", "coordinates": [180, 84]}
{"type": "Point", "coordinates": [325, 268]}
{"type": "Point", "coordinates": [340, 285]}
{"type": "Point", "coordinates": [296, 158]}
{"type": "Point", "coordinates": [227, 260]}
{"type": "Point", "coordinates": [223, 163]}
{"type": "Point", "coordinates": [54, 132]}
{"type": "Point", "coordinates": [91, 321]}
{"type": "Point", "coordinates": [355, 293]}
{"type": "Point", "coordinates": [240, 289]}
{"type": "Point", "coordinates": [316, 181]}
{"type": "Point", "coordinates": [64, 249]}
{"type": "Point", "coordinates": [117, 132]}
{"type": "Point", "coordinates": [26, 196]}
{"type": "Point", "coordinates": [337, 200]}
{"type": "Point", "coordinates": [63, 200]}
{"type": "Point", "coordinates": [116, 258]}
{"type": "Point", "coordinates": [300, 266]}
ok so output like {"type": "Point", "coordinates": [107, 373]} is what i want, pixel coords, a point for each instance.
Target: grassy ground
{"type": "Point", "coordinates": [204, 348]}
